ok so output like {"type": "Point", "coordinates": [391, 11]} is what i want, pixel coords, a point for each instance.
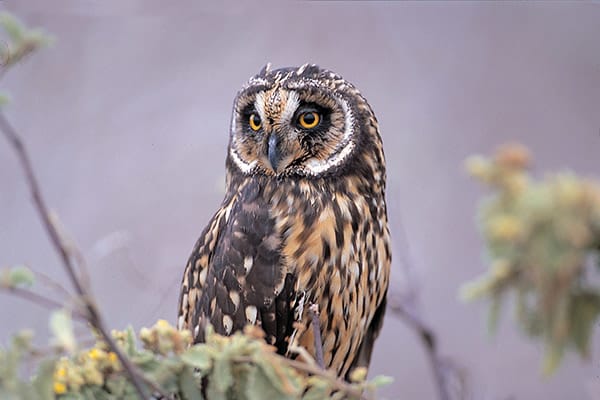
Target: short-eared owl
{"type": "Point", "coordinates": [303, 221]}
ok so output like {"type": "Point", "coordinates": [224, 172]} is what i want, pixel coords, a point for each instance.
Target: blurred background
{"type": "Point", "coordinates": [126, 117]}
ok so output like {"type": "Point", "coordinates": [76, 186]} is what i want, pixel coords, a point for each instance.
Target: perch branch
{"type": "Point", "coordinates": [316, 327]}
{"type": "Point", "coordinates": [405, 308]}
{"type": "Point", "coordinates": [91, 312]}
{"type": "Point", "coordinates": [429, 341]}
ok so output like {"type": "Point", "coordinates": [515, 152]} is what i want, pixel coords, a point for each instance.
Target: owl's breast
{"type": "Point", "coordinates": [335, 241]}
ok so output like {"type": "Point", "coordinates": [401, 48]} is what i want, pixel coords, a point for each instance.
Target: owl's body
{"type": "Point", "coordinates": [303, 221]}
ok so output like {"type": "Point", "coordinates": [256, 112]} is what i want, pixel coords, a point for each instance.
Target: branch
{"type": "Point", "coordinates": [42, 301]}
{"type": "Point", "coordinates": [316, 326]}
{"type": "Point", "coordinates": [428, 338]}
{"type": "Point", "coordinates": [405, 308]}
{"type": "Point", "coordinates": [91, 312]}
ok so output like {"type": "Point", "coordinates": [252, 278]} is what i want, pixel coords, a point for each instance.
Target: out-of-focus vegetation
{"type": "Point", "coordinates": [541, 238]}
{"type": "Point", "coordinates": [241, 366]}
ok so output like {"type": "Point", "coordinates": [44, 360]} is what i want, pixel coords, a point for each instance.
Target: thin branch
{"type": "Point", "coordinates": [405, 307]}
{"type": "Point", "coordinates": [43, 301]}
{"type": "Point", "coordinates": [316, 327]}
{"type": "Point", "coordinates": [62, 250]}
{"type": "Point", "coordinates": [51, 283]}
{"type": "Point", "coordinates": [429, 341]}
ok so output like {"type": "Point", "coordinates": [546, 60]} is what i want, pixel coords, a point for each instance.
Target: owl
{"type": "Point", "coordinates": [303, 222]}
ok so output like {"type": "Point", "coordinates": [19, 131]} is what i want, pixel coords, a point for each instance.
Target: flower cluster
{"type": "Point", "coordinates": [539, 235]}
{"type": "Point", "coordinates": [89, 367]}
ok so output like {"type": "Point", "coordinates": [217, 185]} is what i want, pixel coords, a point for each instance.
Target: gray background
{"type": "Point", "coordinates": [126, 118]}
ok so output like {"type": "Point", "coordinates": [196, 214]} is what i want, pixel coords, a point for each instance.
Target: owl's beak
{"type": "Point", "coordinates": [273, 152]}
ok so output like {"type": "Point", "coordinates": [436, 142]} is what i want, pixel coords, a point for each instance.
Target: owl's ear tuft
{"type": "Point", "coordinates": [265, 70]}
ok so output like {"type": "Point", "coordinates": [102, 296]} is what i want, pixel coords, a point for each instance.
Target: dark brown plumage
{"type": "Point", "coordinates": [303, 221]}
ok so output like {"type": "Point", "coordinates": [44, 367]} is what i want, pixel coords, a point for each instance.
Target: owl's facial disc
{"type": "Point", "coordinates": [291, 130]}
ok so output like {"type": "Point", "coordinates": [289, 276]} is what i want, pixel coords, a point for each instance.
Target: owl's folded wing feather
{"type": "Point", "coordinates": [235, 275]}
{"type": "Point", "coordinates": [195, 274]}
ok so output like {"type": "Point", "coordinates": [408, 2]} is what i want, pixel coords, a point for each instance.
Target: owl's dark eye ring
{"type": "Point", "coordinates": [309, 119]}
{"type": "Point", "coordinates": [255, 122]}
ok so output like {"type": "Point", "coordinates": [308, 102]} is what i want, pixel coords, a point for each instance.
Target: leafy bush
{"type": "Point", "coordinates": [539, 236]}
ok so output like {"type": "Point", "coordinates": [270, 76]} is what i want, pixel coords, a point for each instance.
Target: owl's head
{"type": "Point", "coordinates": [303, 121]}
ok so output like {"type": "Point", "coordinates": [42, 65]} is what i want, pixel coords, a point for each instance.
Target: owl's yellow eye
{"type": "Point", "coordinates": [309, 120]}
{"type": "Point", "coordinates": [255, 122]}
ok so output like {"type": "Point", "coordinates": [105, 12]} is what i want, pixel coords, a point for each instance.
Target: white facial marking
{"type": "Point", "coordinates": [292, 103]}
{"type": "Point", "coordinates": [316, 166]}
{"type": "Point", "coordinates": [242, 165]}
{"type": "Point", "coordinates": [259, 104]}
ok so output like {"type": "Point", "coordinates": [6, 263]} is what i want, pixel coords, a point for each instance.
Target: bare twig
{"type": "Point", "coordinates": [61, 248]}
{"type": "Point", "coordinates": [316, 327]}
{"type": "Point", "coordinates": [428, 339]}
{"type": "Point", "coordinates": [405, 307]}
{"type": "Point", "coordinates": [42, 301]}
{"type": "Point", "coordinates": [51, 283]}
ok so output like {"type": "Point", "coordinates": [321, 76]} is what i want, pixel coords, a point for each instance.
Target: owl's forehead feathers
{"type": "Point", "coordinates": [276, 105]}
{"type": "Point", "coordinates": [276, 94]}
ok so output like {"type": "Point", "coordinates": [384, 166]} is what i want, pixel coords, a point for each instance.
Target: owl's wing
{"type": "Point", "coordinates": [235, 275]}
{"type": "Point", "coordinates": [363, 358]}
{"type": "Point", "coordinates": [195, 273]}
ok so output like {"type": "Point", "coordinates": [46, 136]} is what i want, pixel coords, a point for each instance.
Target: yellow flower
{"type": "Point", "coordinates": [505, 227]}
{"type": "Point", "coordinates": [61, 372]}
{"type": "Point", "coordinates": [96, 354]}
{"type": "Point", "coordinates": [501, 269]}
{"type": "Point", "coordinates": [60, 388]}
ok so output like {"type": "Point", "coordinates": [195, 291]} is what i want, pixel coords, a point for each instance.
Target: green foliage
{"type": "Point", "coordinates": [21, 41]}
{"type": "Point", "coordinates": [539, 235]}
{"type": "Point", "coordinates": [16, 43]}
{"type": "Point", "coordinates": [16, 277]}
{"type": "Point", "coordinates": [241, 366]}
{"type": "Point", "coordinates": [39, 387]}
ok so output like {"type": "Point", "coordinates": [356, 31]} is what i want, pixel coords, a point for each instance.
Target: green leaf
{"type": "Point", "coordinates": [552, 358]}
{"type": "Point", "coordinates": [494, 313]}
{"type": "Point", "coordinates": [318, 389]}
{"type": "Point", "coordinates": [117, 385]}
{"type": "Point", "coordinates": [43, 380]}
{"type": "Point", "coordinates": [222, 376]}
{"type": "Point", "coordinates": [261, 387]}
{"type": "Point", "coordinates": [190, 385]}
{"type": "Point", "coordinates": [130, 342]}
{"type": "Point", "coordinates": [4, 97]}
{"type": "Point", "coordinates": [12, 26]}
{"type": "Point", "coordinates": [21, 276]}
{"type": "Point", "coordinates": [381, 380]}
{"type": "Point", "coordinates": [585, 308]}
{"type": "Point", "coordinates": [281, 379]}
{"type": "Point", "coordinates": [61, 326]}
{"type": "Point", "coordinates": [198, 357]}
{"type": "Point", "coordinates": [22, 340]}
